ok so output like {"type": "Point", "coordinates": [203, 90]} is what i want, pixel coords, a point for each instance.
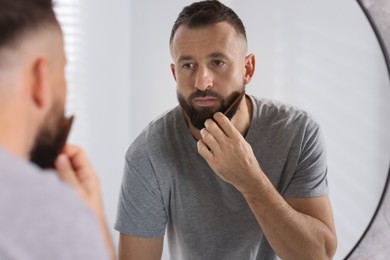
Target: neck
{"type": "Point", "coordinates": [15, 136]}
{"type": "Point", "coordinates": [241, 119]}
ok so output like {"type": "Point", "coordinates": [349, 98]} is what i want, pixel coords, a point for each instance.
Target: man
{"type": "Point", "coordinates": [248, 186]}
{"type": "Point", "coordinates": [41, 216]}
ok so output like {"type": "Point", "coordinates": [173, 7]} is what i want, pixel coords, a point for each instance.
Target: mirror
{"type": "Point", "coordinates": [322, 56]}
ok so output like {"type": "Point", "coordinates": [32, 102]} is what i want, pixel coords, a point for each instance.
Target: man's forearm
{"type": "Point", "coordinates": [292, 235]}
{"type": "Point", "coordinates": [107, 237]}
{"type": "Point", "coordinates": [300, 229]}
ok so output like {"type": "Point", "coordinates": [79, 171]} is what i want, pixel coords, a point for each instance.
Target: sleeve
{"type": "Point", "coordinates": [310, 176]}
{"type": "Point", "coordinates": [141, 210]}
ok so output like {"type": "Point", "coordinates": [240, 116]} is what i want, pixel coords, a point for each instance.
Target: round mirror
{"type": "Point", "coordinates": [322, 56]}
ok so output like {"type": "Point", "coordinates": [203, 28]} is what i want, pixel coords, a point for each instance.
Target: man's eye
{"type": "Point", "coordinates": [188, 66]}
{"type": "Point", "coordinates": [218, 63]}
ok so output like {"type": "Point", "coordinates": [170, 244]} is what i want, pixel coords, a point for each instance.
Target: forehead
{"type": "Point", "coordinates": [215, 38]}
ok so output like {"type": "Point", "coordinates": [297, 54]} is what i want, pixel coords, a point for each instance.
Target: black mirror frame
{"type": "Point", "coordinates": [365, 240]}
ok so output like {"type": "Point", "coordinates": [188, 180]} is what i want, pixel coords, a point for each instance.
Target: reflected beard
{"type": "Point", "coordinates": [197, 117]}
{"type": "Point", "coordinates": [48, 145]}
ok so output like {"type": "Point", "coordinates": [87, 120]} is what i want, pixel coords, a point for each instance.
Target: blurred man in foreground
{"type": "Point", "coordinates": [42, 217]}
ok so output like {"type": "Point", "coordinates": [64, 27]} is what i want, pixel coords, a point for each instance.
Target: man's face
{"type": "Point", "coordinates": [47, 143]}
{"type": "Point", "coordinates": [209, 69]}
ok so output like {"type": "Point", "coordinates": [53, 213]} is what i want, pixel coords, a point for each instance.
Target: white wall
{"type": "Point", "coordinates": [99, 87]}
{"type": "Point", "coordinates": [319, 55]}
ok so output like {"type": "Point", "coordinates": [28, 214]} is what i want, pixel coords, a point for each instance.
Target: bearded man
{"type": "Point", "coordinates": [51, 206]}
{"type": "Point", "coordinates": [250, 184]}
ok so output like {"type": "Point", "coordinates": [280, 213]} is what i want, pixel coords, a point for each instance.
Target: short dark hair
{"type": "Point", "coordinates": [20, 16]}
{"type": "Point", "coordinates": [207, 12]}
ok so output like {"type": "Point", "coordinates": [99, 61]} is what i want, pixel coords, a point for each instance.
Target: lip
{"type": "Point", "coordinates": [205, 101]}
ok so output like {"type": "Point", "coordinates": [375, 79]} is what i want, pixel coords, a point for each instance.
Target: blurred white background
{"type": "Point", "coordinates": [318, 55]}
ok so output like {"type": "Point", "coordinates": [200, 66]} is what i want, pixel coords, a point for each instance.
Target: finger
{"type": "Point", "coordinates": [213, 126]}
{"type": "Point", "coordinates": [214, 129]}
{"type": "Point", "coordinates": [70, 148]}
{"type": "Point", "coordinates": [65, 170]}
{"type": "Point", "coordinates": [73, 151]}
{"type": "Point", "coordinates": [205, 152]}
{"type": "Point", "coordinates": [209, 140]}
{"type": "Point", "coordinates": [225, 124]}
{"type": "Point", "coordinates": [79, 160]}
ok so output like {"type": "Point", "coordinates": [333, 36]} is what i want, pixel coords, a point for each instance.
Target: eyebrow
{"type": "Point", "coordinates": [185, 58]}
{"type": "Point", "coordinates": [217, 55]}
{"type": "Point", "coordinates": [211, 55]}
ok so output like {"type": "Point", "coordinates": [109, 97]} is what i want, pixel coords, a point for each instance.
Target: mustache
{"type": "Point", "coordinates": [206, 93]}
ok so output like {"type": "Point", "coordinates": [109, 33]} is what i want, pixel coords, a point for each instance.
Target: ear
{"type": "Point", "coordinates": [250, 64]}
{"type": "Point", "coordinates": [39, 83]}
{"type": "Point", "coordinates": [173, 70]}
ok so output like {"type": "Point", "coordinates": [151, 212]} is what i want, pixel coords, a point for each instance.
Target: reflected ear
{"type": "Point", "coordinates": [173, 71]}
{"type": "Point", "coordinates": [39, 78]}
{"type": "Point", "coordinates": [250, 64]}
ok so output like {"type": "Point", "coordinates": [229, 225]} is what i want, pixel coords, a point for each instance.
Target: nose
{"type": "Point", "coordinates": [203, 79]}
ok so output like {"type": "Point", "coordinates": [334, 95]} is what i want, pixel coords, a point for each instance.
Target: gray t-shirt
{"type": "Point", "coordinates": [42, 217]}
{"type": "Point", "coordinates": [167, 184]}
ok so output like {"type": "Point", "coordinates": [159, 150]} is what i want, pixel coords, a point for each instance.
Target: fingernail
{"type": "Point", "coordinates": [206, 123]}
{"type": "Point", "coordinates": [202, 132]}
{"type": "Point", "coordinates": [61, 159]}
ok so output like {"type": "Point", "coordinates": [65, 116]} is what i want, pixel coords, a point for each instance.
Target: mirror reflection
{"type": "Point", "coordinates": [322, 57]}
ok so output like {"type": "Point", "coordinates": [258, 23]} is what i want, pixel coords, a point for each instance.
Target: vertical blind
{"type": "Point", "coordinates": [70, 16]}
{"type": "Point", "coordinates": [97, 43]}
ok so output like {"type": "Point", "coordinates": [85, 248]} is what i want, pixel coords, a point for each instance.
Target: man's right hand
{"type": "Point", "coordinates": [74, 168]}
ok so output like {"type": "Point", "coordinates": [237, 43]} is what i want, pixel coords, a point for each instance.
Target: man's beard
{"type": "Point", "coordinates": [49, 143]}
{"type": "Point", "coordinates": [197, 117]}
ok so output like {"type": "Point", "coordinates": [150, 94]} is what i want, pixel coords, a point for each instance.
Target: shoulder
{"type": "Point", "coordinates": [38, 210]}
{"type": "Point", "coordinates": [156, 135]}
{"type": "Point", "coordinates": [282, 115]}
